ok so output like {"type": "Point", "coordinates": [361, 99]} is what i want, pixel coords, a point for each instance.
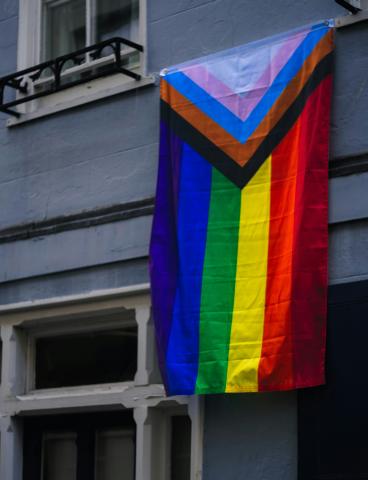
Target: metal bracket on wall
{"type": "Point", "coordinates": [55, 78]}
{"type": "Point", "coordinates": [358, 12]}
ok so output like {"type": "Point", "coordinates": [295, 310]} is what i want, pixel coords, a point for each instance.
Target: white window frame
{"type": "Point", "coordinates": [29, 54]}
{"type": "Point", "coordinates": [145, 398]}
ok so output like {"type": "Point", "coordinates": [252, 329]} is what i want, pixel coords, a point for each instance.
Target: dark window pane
{"type": "Point", "coordinates": [64, 27]}
{"type": "Point", "coordinates": [116, 18]}
{"type": "Point", "coordinates": [59, 456]}
{"type": "Point", "coordinates": [86, 358]}
{"type": "Point", "coordinates": [180, 447]}
{"type": "Point", "coordinates": [115, 452]}
{"type": "Point", "coordinates": [54, 444]}
{"type": "Point", "coordinates": [333, 420]}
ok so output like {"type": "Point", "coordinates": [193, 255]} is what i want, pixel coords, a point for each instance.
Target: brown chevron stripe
{"type": "Point", "coordinates": [241, 153]}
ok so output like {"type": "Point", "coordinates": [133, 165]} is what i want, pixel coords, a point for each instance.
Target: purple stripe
{"type": "Point", "coordinates": [242, 103]}
{"type": "Point", "coordinates": [163, 248]}
{"type": "Point", "coordinates": [194, 200]}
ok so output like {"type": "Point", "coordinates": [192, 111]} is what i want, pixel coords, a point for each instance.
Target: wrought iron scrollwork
{"type": "Point", "coordinates": [20, 81]}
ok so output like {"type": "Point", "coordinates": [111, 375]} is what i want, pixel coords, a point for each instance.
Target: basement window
{"type": "Point", "coordinates": [86, 358]}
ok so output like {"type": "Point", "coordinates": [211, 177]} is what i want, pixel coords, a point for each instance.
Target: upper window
{"type": "Point", "coordinates": [110, 352]}
{"type": "Point", "coordinates": [108, 356]}
{"type": "Point", "coordinates": [49, 29]}
{"type": "Point", "coordinates": [69, 25]}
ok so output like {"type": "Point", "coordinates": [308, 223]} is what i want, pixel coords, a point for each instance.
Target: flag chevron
{"type": "Point", "coordinates": [240, 226]}
{"type": "Point", "coordinates": [309, 51]}
{"type": "Point", "coordinates": [221, 159]}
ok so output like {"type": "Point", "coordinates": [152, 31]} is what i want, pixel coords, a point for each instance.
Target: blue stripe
{"type": "Point", "coordinates": [226, 119]}
{"type": "Point", "coordinates": [287, 73]}
{"type": "Point", "coordinates": [194, 199]}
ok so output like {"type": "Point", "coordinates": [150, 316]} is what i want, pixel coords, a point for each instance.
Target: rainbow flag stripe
{"type": "Point", "coordinates": [238, 256]}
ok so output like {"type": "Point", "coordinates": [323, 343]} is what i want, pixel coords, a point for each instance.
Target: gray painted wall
{"type": "Point", "coordinates": [105, 153]}
{"type": "Point", "coordinates": [250, 437]}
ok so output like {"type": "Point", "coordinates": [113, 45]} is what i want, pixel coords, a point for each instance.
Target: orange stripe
{"type": "Point", "coordinates": [241, 153]}
{"type": "Point", "coordinates": [276, 364]}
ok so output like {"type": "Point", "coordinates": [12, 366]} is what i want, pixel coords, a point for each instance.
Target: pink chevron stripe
{"type": "Point", "coordinates": [240, 104]}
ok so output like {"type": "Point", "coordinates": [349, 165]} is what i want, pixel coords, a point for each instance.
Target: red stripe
{"type": "Point", "coordinates": [309, 306]}
{"type": "Point", "coordinates": [295, 315]}
{"type": "Point", "coordinates": [276, 365]}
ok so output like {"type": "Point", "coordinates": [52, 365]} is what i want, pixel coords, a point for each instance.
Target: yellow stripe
{"type": "Point", "coordinates": [250, 289]}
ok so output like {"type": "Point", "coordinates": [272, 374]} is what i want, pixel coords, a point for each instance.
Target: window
{"type": "Point", "coordinates": [108, 356]}
{"type": "Point", "coordinates": [50, 28]}
{"type": "Point", "coordinates": [69, 25]}
{"type": "Point", "coordinates": [86, 351]}
{"type": "Point", "coordinates": [85, 446]}
{"type": "Point", "coordinates": [82, 397]}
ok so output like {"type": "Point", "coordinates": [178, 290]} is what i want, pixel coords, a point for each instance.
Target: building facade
{"type": "Point", "coordinates": [80, 394]}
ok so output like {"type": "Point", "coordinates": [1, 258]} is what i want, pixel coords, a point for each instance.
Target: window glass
{"type": "Point", "coordinates": [115, 452]}
{"type": "Point", "coordinates": [116, 18]}
{"type": "Point", "coordinates": [64, 27]}
{"type": "Point", "coordinates": [65, 24]}
{"type": "Point", "coordinates": [59, 456]}
{"type": "Point", "coordinates": [180, 447]}
{"type": "Point", "coordinates": [87, 446]}
{"type": "Point", "coordinates": [86, 358]}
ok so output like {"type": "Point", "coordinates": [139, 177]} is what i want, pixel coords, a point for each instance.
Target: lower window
{"type": "Point", "coordinates": [97, 446]}
{"type": "Point", "coordinates": [102, 446]}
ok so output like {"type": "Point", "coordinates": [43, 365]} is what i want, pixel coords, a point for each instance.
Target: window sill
{"type": "Point", "coordinates": [79, 95]}
{"type": "Point", "coordinates": [125, 395]}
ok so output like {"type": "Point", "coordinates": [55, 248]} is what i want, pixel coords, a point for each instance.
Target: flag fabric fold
{"type": "Point", "coordinates": [238, 254]}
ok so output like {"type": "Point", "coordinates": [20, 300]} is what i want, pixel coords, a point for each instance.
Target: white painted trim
{"type": "Point", "coordinates": [196, 414]}
{"type": "Point", "coordinates": [83, 94]}
{"type": "Point", "coordinates": [143, 19]}
{"type": "Point", "coordinates": [11, 460]}
{"type": "Point", "coordinates": [143, 315]}
{"type": "Point", "coordinates": [29, 33]}
{"type": "Point", "coordinates": [105, 294]}
{"type": "Point", "coordinates": [350, 19]}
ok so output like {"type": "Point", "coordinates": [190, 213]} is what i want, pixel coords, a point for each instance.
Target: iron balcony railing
{"type": "Point", "coordinates": [56, 80]}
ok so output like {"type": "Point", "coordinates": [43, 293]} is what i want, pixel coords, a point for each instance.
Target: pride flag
{"type": "Point", "coordinates": [238, 255]}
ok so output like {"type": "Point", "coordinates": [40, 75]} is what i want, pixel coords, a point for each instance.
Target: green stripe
{"type": "Point", "coordinates": [218, 284]}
